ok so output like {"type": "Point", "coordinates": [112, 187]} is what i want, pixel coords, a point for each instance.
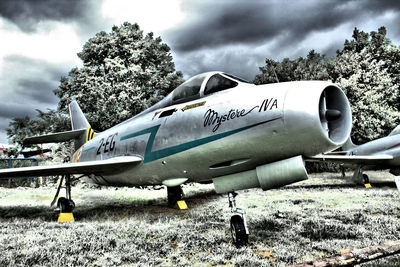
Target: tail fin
{"type": "Point", "coordinates": [79, 122]}
{"type": "Point", "coordinates": [348, 145]}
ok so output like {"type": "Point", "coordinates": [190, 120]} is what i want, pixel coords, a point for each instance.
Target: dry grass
{"type": "Point", "coordinates": [129, 226]}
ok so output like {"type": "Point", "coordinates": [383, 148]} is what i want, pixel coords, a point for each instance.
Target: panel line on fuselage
{"type": "Point", "coordinates": [155, 155]}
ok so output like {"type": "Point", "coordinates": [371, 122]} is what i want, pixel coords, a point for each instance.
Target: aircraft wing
{"type": "Point", "coordinates": [99, 167]}
{"type": "Point", "coordinates": [356, 160]}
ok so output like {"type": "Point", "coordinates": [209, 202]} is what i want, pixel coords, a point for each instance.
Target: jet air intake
{"type": "Point", "coordinates": [332, 104]}
{"type": "Point", "coordinates": [317, 116]}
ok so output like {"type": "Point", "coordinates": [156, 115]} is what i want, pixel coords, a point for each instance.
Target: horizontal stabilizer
{"type": "Point", "coordinates": [337, 153]}
{"type": "Point", "coordinates": [364, 160]}
{"type": "Point", "coordinates": [28, 154]}
{"type": "Point", "coordinates": [54, 138]}
{"type": "Point", "coordinates": [99, 167]}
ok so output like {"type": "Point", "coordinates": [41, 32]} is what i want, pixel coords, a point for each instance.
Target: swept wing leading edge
{"type": "Point", "coordinates": [108, 166]}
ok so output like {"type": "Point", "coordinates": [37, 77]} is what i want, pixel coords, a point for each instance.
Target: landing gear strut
{"type": "Point", "coordinates": [343, 171]}
{"type": "Point", "coordinates": [239, 230]}
{"type": "Point", "coordinates": [361, 178]}
{"type": "Point", "coordinates": [65, 205]}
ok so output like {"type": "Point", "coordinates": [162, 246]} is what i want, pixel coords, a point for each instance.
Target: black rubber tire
{"type": "Point", "coordinates": [65, 205]}
{"type": "Point", "coordinates": [365, 178]}
{"type": "Point", "coordinates": [238, 231]}
{"type": "Point", "coordinates": [174, 194]}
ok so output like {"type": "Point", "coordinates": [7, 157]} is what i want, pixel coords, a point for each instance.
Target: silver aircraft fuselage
{"type": "Point", "coordinates": [223, 133]}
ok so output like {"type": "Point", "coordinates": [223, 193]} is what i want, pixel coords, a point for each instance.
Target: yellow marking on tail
{"type": "Point", "coordinates": [87, 133]}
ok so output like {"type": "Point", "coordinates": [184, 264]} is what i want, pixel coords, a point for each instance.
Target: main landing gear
{"type": "Point", "coordinates": [175, 194]}
{"type": "Point", "coordinates": [65, 205]}
{"type": "Point", "coordinates": [342, 170]}
{"type": "Point", "coordinates": [367, 184]}
{"type": "Point", "coordinates": [239, 230]}
{"type": "Point", "coordinates": [361, 178]}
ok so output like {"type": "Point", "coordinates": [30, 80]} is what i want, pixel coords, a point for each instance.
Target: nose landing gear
{"type": "Point", "coordinates": [239, 230]}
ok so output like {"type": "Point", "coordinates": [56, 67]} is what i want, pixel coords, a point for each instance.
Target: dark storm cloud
{"type": "Point", "coordinates": [27, 13]}
{"type": "Point", "coordinates": [243, 64]}
{"type": "Point", "coordinates": [237, 36]}
{"type": "Point", "coordinates": [10, 110]}
{"type": "Point", "coordinates": [244, 22]}
{"type": "Point", "coordinates": [32, 79]}
{"type": "Point", "coordinates": [38, 90]}
{"type": "Point", "coordinates": [28, 85]}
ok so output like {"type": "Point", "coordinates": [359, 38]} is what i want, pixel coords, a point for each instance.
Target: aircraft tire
{"type": "Point", "coordinates": [65, 205]}
{"type": "Point", "coordinates": [238, 230]}
{"type": "Point", "coordinates": [174, 194]}
{"type": "Point", "coordinates": [365, 178]}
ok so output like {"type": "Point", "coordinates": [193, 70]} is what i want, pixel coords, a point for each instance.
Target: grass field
{"type": "Point", "coordinates": [129, 226]}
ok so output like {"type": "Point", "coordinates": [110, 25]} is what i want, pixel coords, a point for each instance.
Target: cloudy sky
{"type": "Point", "coordinates": [40, 38]}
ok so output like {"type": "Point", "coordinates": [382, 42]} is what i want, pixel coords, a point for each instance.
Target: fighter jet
{"type": "Point", "coordinates": [214, 128]}
{"type": "Point", "coordinates": [379, 154]}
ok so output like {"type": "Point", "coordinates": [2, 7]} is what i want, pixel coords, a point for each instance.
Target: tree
{"type": "Point", "coordinates": [20, 128]}
{"type": "Point", "coordinates": [367, 69]}
{"type": "Point", "coordinates": [313, 67]}
{"type": "Point", "coordinates": [123, 73]}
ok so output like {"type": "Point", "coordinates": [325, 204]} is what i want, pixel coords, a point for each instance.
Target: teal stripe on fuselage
{"type": "Point", "coordinates": [88, 149]}
{"type": "Point", "coordinates": [152, 131]}
{"type": "Point", "coordinates": [155, 155]}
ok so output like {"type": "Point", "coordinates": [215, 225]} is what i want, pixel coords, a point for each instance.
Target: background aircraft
{"type": "Point", "coordinates": [379, 154]}
{"type": "Point", "coordinates": [213, 128]}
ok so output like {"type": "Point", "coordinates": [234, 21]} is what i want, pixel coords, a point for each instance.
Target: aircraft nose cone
{"type": "Point", "coordinates": [332, 114]}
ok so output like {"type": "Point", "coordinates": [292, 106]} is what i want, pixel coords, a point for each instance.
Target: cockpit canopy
{"type": "Point", "coordinates": [199, 86]}
{"type": "Point", "coordinates": [216, 82]}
